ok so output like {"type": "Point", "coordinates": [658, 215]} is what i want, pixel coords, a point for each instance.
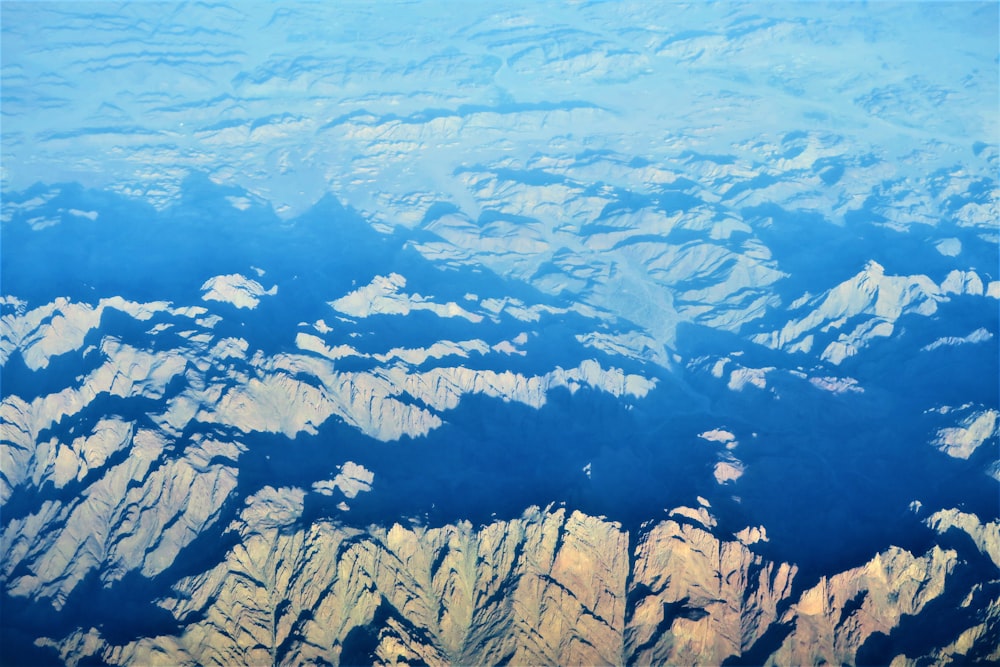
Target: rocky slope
{"type": "Point", "coordinates": [553, 587]}
{"type": "Point", "coordinates": [283, 475]}
{"type": "Point", "coordinates": [299, 320]}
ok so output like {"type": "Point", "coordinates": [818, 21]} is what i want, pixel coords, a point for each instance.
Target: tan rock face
{"type": "Point", "coordinates": [833, 619]}
{"type": "Point", "coordinates": [128, 498]}
{"type": "Point", "coordinates": [700, 600]}
{"type": "Point", "coordinates": [133, 518]}
{"type": "Point", "coordinates": [552, 587]}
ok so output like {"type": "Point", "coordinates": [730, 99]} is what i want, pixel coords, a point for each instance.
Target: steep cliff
{"type": "Point", "coordinates": [553, 587]}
